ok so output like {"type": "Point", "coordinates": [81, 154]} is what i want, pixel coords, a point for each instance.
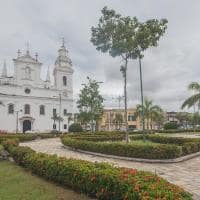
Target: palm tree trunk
{"type": "Point", "coordinates": [142, 99]}
{"type": "Point", "coordinates": [125, 101]}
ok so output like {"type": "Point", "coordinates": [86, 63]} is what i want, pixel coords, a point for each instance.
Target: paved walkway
{"type": "Point", "coordinates": [185, 174]}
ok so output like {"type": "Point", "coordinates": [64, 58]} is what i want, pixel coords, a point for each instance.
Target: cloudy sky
{"type": "Point", "coordinates": [167, 69]}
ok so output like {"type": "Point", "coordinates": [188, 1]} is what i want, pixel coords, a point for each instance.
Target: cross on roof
{"type": "Point", "coordinates": [63, 41]}
{"type": "Point", "coordinates": [27, 46]}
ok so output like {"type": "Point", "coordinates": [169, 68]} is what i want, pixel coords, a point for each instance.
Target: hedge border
{"type": "Point", "coordinates": [166, 161]}
{"type": "Point", "coordinates": [99, 180]}
{"type": "Point", "coordinates": [169, 148]}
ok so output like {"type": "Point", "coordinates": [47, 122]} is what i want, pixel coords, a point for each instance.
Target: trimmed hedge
{"type": "Point", "coordinates": [99, 180]}
{"type": "Point", "coordinates": [149, 151]}
{"type": "Point", "coordinates": [26, 137]}
{"type": "Point", "coordinates": [179, 131]}
{"type": "Point", "coordinates": [99, 136]}
{"type": "Point", "coordinates": [166, 139]}
{"type": "Point", "coordinates": [165, 147]}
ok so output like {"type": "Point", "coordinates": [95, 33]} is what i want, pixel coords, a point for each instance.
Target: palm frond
{"type": "Point", "coordinates": [191, 101]}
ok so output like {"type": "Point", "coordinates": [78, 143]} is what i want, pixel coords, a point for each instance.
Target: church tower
{"type": "Point", "coordinates": [63, 72]}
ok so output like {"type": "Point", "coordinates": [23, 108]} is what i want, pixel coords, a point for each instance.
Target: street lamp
{"type": "Point", "coordinates": [17, 119]}
{"type": "Point", "coordinates": [59, 119]}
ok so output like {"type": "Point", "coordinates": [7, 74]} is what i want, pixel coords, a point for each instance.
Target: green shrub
{"type": "Point", "coordinates": [151, 151]}
{"type": "Point", "coordinates": [75, 127]}
{"type": "Point", "coordinates": [99, 180]}
{"type": "Point", "coordinates": [10, 143]}
{"type": "Point", "coordinates": [161, 148]}
{"type": "Point", "coordinates": [179, 131]}
{"type": "Point", "coordinates": [170, 125]}
{"type": "Point", "coordinates": [25, 137]}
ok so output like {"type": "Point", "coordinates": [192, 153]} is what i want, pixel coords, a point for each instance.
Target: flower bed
{"type": "Point", "coordinates": [99, 180]}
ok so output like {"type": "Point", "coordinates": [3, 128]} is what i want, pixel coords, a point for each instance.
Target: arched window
{"type": "Point", "coordinates": [64, 80]}
{"type": "Point", "coordinates": [10, 109]}
{"type": "Point", "coordinates": [42, 110]}
{"type": "Point", "coordinates": [27, 109]}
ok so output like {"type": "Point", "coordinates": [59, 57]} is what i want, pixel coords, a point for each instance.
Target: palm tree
{"type": "Point", "coordinates": [151, 112]}
{"type": "Point", "coordinates": [118, 120]}
{"type": "Point", "coordinates": [195, 98]}
{"type": "Point", "coordinates": [56, 118]}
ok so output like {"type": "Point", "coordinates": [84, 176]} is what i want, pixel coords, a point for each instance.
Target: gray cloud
{"type": "Point", "coordinates": [167, 69]}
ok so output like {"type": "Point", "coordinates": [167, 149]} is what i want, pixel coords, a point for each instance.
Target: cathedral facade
{"type": "Point", "coordinates": [28, 103]}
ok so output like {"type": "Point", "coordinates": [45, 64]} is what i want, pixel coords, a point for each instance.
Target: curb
{"type": "Point", "coordinates": [166, 161]}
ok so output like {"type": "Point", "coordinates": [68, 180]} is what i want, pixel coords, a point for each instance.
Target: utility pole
{"type": "Point", "coordinates": [17, 119]}
{"type": "Point", "coordinates": [59, 111]}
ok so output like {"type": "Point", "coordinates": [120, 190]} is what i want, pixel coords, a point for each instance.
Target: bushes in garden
{"type": "Point", "coordinates": [161, 148]}
{"type": "Point", "coordinates": [99, 180]}
{"type": "Point", "coordinates": [166, 140]}
{"type": "Point", "coordinates": [25, 137]}
{"type": "Point", "coordinates": [100, 136]}
{"type": "Point", "coordinates": [179, 131]}
{"type": "Point", "coordinates": [75, 127]}
{"type": "Point", "coordinates": [148, 151]}
{"type": "Point", "coordinates": [170, 125]}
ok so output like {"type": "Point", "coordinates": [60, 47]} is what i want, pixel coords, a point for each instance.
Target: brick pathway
{"type": "Point", "coordinates": [185, 174]}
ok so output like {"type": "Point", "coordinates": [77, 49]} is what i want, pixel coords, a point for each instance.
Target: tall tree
{"type": "Point", "coordinates": [55, 118]}
{"type": "Point", "coordinates": [128, 38]}
{"type": "Point", "coordinates": [151, 112]}
{"type": "Point", "coordinates": [193, 100]}
{"type": "Point", "coordinates": [90, 103]}
{"type": "Point", "coordinates": [118, 120]}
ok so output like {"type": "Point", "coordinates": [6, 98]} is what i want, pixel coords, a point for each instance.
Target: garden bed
{"type": "Point", "coordinates": [99, 180]}
{"type": "Point", "coordinates": [155, 147]}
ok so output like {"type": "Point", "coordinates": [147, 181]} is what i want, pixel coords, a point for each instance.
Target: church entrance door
{"type": "Point", "coordinates": [26, 125]}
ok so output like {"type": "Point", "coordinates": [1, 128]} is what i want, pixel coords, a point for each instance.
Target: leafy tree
{"type": "Point", "coordinates": [75, 127]}
{"type": "Point", "coordinates": [90, 103]}
{"type": "Point", "coordinates": [118, 120]}
{"type": "Point", "coordinates": [183, 118]}
{"type": "Point", "coordinates": [55, 118]}
{"type": "Point", "coordinates": [151, 112]}
{"type": "Point", "coordinates": [128, 38]}
{"type": "Point", "coordinates": [159, 119]}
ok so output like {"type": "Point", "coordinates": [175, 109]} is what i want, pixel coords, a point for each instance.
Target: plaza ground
{"type": "Point", "coordinates": [185, 174]}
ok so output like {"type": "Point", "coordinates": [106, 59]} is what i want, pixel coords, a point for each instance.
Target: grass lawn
{"type": "Point", "coordinates": [1, 147]}
{"type": "Point", "coordinates": [18, 184]}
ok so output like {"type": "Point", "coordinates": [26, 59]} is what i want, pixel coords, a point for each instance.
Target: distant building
{"type": "Point", "coordinates": [29, 103]}
{"type": "Point", "coordinates": [112, 121]}
{"type": "Point", "coordinates": [171, 117]}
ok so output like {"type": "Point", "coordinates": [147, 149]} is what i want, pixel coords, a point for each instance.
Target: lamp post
{"type": "Point", "coordinates": [59, 111]}
{"type": "Point", "coordinates": [17, 119]}
{"type": "Point", "coordinates": [60, 103]}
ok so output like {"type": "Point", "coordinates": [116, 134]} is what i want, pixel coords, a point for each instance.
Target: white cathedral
{"type": "Point", "coordinates": [28, 103]}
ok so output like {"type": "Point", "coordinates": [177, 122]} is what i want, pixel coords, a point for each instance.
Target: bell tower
{"type": "Point", "coordinates": [63, 71]}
